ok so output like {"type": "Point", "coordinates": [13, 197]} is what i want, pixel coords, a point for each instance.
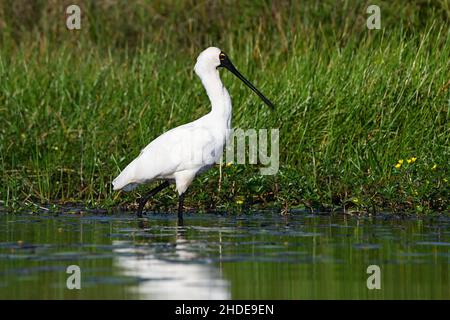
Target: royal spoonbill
{"type": "Point", "coordinates": [182, 153]}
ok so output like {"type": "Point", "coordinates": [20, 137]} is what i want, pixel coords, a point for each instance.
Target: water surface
{"type": "Point", "coordinates": [250, 256]}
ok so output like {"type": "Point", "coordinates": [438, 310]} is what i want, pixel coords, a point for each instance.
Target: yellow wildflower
{"type": "Point", "coordinates": [355, 200]}
{"type": "Point", "coordinates": [413, 159]}
{"type": "Point", "coordinates": [398, 165]}
{"type": "Point", "coordinates": [239, 200]}
{"type": "Point", "coordinates": [400, 161]}
{"type": "Point", "coordinates": [229, 164]}
{"type": "Point", "coordinates": [434, 167]}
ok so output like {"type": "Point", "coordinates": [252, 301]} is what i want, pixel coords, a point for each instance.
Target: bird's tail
{"type": "Point", "coordinates": [125, 180]}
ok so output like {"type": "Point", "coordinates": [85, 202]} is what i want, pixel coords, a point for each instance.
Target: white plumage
{"type": "Point", "coordinates": [185, 151]}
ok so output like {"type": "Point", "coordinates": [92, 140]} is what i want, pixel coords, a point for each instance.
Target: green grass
{"type": "Point", "coordinates": [77, 106]}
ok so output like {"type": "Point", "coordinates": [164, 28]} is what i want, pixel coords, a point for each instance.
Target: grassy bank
{"type": "Point", "coordinates": [363, 114]}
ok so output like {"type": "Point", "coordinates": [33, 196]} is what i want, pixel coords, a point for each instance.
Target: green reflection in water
{"type": "Point", "coordinates": [255, 256]}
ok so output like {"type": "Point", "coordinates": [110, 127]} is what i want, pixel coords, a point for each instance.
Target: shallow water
{"type": "Point", "coordinates": [254, 256]}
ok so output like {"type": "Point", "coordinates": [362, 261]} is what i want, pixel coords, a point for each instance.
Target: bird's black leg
{"type": "Point", "coordinates": [180, 208]}
{"type": "Point", "coordinates": [143, 200]}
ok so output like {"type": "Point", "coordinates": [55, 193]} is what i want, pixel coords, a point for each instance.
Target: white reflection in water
{"type": "Point", "coordinates": [170, 279]}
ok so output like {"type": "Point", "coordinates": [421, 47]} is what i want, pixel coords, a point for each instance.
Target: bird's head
{"type": "Point", "coordinates": [208, 58]}
{"type": "Point", "coordinates": [212, 58]}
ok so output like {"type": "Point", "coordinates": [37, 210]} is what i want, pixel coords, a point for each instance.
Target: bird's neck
{"type": "Point", "coordinates": [218, 95]}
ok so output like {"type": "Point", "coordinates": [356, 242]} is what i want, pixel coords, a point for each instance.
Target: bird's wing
{"type": "Point", "coordinates": [187, 147]}
{"type": "Point", "coordinates": [183, 148]}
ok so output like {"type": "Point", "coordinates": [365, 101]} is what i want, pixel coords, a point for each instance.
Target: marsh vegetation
{"type": "Point", "coordinates": [354, 106]}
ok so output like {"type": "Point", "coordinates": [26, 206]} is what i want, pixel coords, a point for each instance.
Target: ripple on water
{"type": "Point", "coordinates": [366, 246]}
{"type": "Point", "coordinates": [433, 243]}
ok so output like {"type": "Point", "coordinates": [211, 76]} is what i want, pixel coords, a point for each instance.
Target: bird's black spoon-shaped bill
{"type": "Point", "coordinates": [226, 63]}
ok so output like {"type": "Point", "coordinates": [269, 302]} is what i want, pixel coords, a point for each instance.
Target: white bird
{"type": "Point", "coordinates": [182, 153]}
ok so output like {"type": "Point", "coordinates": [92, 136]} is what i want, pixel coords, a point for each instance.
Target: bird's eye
{"type": "Point", "coordinates": [222, 56]}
